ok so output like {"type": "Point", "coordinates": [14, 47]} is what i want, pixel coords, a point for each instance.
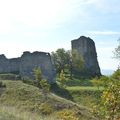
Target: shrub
{"type": "Point", "coordinates": [46, 109]}
{"type": "Point", "coordinates": [66, 114]}
{"type": "Point", "coordinates": [45, 86]}
{"type": "Point", "coordinates": [109, 106]}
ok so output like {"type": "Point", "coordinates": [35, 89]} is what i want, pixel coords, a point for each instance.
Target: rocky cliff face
{"type": "Point", "coordinates": [86, 48]}
{"type": "Point", "coordinates": [26, 63]}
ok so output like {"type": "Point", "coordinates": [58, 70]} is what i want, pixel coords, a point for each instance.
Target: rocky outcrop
{"type": "Point", "coordinates": [85, 46]}
{"type": "Point", "coordinates": [26, 63]}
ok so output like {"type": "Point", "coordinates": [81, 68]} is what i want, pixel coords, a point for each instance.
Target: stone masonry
{"type": "Point", "coordinates": [25, 64]}
{"type": "Point", "coordinates": [85, 46]}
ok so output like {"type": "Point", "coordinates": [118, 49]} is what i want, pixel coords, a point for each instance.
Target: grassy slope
{"type": "Point", "coordinates": [85, 95]}
{"type": "Point", "coordinates": [17, 97]}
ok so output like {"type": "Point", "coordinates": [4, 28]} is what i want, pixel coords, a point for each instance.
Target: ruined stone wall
{"type": "Point", "coordinates": [37, 59]}
{"type": "Point", "coordinates": [86, 48]}
{"type": "Point", "coordinates": [26, 63]}
{"type": "Point", "coordinates": [9, 65]}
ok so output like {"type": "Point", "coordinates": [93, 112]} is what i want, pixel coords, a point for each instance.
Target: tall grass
{"type": "Point", "coordinates": [12, 113]}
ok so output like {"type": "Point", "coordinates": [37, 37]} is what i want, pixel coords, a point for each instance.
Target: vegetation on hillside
{"type": "Point", "coordinates": [81, 99]}
{"type": "Point", "coordinates": [29, 98]}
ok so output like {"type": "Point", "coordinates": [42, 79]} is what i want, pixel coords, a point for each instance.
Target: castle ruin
{"type": "Point", "coordinates": [85, 46]}
{"type": "Point", "coordinates": [25, 64]}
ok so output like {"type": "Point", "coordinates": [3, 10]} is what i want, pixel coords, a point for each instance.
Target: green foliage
{"type": "Point", "coordinates": [96, 82]}
{"type": "Point", "coordinates": [60, 59]}
{"type": "Point", "coordinates": [109, 106]}
{"type": "Point", "coordinates": [116, 74]}
{"type": "Point", "coordinates": [104, 80]}
{"type": "Point", "coordinates": [100, 81]}
{"type": "Point", "coordinates": [67, 115]}
{"type": "Point", "coordinates": [46, 109]}
{"type": "Point", "coordinates": [85, 95]}
{"type": "Point", "coordinates": [41, 83]}
{"type": "Point", "coordinates": [29, 98]}
{"type": "Point", "coordinates": [62, 79]}
{"type": "Point", "coordinates": [38, 76]}
{"type": "Point", "coordinates": [77, 82]}
{"type": "Point", "coordinates": [45, 86]}
{"type": "Point", "coordinates": [68, 61]}
{"type": "Point", "coordinates": [117, 51]}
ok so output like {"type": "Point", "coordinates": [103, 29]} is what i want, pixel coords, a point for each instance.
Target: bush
{"type": "Point", "coordinates": [46, 109]}
{"type": "Point", "coordinates": [66, 114]}
{"type": "Point", "coordinates": [109, 105]}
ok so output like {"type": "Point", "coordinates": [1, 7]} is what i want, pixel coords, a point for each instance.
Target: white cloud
{"type": "Point", "coordinates": [104, 32]}
{"type": "Point", "coordinates": [38, 13]}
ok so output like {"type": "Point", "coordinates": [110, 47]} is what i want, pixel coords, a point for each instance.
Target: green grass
{"type": "Point", "coordinates": [87, 88]}
{"type": "Point", "coordinates": [85, 95]}
{"type": "Point", "coordinates": [78, 82]}
{"type": "Point", "coordinates": [19, 98]}
{"type": "Point", "coordinates": [11, 113]}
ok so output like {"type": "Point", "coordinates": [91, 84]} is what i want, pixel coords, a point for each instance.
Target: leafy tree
{"type": "Point", "coordinates": [117, 51]}
{"type": "Point", "coordinates": [45, 87]}
{"type": "Point", "coordinates": [38, 75]}
{"type": "Point", "coordinates": [60, 58]}
{"type": "Point", "coordinates": [62, 78]}
{"type": "Point", "coordinates": [41, 83]}
{"type": "Point", "coordinates": [67, 60]}
{"type": "Point", "coordinates": [109, 106]}
{"type": "Point", "coordinates": [116, 74]}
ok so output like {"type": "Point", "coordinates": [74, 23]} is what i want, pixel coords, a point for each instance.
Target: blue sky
{"type": "Point", "coordinates": [45, 25]}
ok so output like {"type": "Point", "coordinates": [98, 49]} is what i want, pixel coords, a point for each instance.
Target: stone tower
{"type": "Point", "coordinates": [85, 46]}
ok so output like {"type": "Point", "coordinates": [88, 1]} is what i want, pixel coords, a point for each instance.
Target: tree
{"type": "Point", "coordinates": [67, 60]}
{"type": "Point", "coordinates": [38, 75]}
{"type": "Point", "coordinates": [62, 78]}
{"type": "Point", "coordinates": [109, 106]}
{"type": "Point", "coordinates": [117, 51]}
{"type": "Point", "coordinates": [60, 59]}
{"type": "Point", "coordinates": [45, 87]}
{"type": "Point", "coordinates": [41, 83]}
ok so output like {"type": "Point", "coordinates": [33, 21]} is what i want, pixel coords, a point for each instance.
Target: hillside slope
{"type": "Point", "coordinates": [23, 98]}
